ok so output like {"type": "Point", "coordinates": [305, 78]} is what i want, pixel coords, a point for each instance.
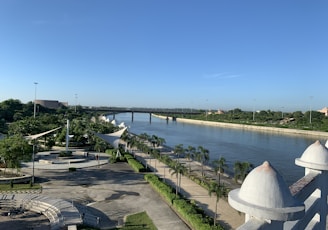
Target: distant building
{"type": "Point", "coordinates": [324, 110]}
{"type": "Point", "coordinates": [51, 104]}
{"type": "Point", "coordinates": [220, 111]}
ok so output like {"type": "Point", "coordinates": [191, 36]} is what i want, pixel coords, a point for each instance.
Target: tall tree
{"type": "Point", "coordinates": [177, 169]}
{"type": "Point", "coordinates": [178, 150]}
{"type": "Point", "coordinates": [241, 169]}
{"type": "Point", "coordinates": [202, 155]}
{"type": "Point", "coordinates": [220, 190]}
{"type": "Point", "coordinates": [190, 154]}
{"type": "Point", "coordinates": [220, 166]}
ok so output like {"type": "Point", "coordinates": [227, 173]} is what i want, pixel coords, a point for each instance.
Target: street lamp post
{"type": "Point", "coordinates": [33, 156]}
{"type": "Point", "coordinates": [75, 102]}
{"type": "Point", "coordinates": [33, 161]}
{"type": "Point", "coordinates": [35, 84]}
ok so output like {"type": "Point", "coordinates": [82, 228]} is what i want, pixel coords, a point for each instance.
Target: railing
{"type": "Point", "coordinates": [311, 191]}
{"type": "Point", "coordinates": [144, 110]}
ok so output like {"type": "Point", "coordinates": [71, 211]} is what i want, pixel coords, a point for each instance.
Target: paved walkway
{"type": "Point", "coordinates": [226, 215]}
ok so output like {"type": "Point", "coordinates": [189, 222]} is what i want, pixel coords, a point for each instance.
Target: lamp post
{"type": "Point", "coordinates": [35, 85]}
{"type": "Point", "coordinates": [33, 161]}
{"type": "Point", "coordinates": [282, 112]}
{"type": "Point", "coordinates": [33, 156]}
{"type": "Point", "coordinates": [75, 102]}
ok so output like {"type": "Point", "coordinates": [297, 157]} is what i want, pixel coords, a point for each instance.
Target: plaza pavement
{"type": "Point", "coordinates": [112, 191]}
{"type": "Point", "coordinates": [107, 191]}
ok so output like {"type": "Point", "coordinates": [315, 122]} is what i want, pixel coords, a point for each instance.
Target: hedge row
{"type": "Point", "coordinates": [136, 165]}
{"type": "Point", "coordinates": [194, 216]}
{"type": "Point", "coordinates": [163, 189]}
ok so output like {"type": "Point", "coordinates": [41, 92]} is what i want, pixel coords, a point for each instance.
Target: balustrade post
{"type": "Point", "coordinates": [265, 199]}
{"type": "Point", "coordinates": [315, 159]}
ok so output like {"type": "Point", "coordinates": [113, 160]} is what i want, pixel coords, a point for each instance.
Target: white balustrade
{"type": "Point", "coordinates": [269, 204]}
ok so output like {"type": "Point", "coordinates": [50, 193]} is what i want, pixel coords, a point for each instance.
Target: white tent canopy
{"type": "Point", "coordinates": [112, 138]}
{"type": "Point", "coordinates": [35, 136]}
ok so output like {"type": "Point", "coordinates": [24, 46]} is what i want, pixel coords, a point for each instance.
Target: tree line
{"type": "Point", "coordinates": [309, 120]}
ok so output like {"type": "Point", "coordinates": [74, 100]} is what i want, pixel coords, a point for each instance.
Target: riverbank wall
{"type": "Point", "coordinates": [283, 131]}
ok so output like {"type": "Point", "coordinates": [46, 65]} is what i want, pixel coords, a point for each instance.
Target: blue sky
{"type": "Point", "coordinates": [170, 54]}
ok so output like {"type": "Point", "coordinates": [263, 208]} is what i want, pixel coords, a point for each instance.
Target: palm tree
{"type": "Point", "coordinates": [160, 141]}
{"type": "Point", "coordinates": [144, 136]}
{"type": "Point", "coordinates": [177, 169]}
{"type": "Point", "coordinates": [202, 155]}
{"type": "Point", "coordinates": [154, 140]}
{"type": "Point", "coordinates": [220, 190]}
{"type": "Point", "coordinates": [220, 166]}
{"type": "Point", "coordinates": [190, 155]}
{"type": "Point", "coordinates": [241, 170]}
{"type": "Point", "coordinates": [178, 149]}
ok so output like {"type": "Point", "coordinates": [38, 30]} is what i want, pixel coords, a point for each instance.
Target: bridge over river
{"type": "Point", "coordinates": [163, 111]}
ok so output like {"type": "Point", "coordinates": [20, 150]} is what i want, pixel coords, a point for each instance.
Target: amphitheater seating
{"type": "Point", "coordinates": [60, 213]}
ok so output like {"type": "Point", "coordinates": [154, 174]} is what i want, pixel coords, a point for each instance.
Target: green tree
{"type": "Point", "coordinates": [177, 169]}
{"type": "Point", "coordinates": [178, 150]}
{"type": "Point", "coordinates": [202, 155]}
{"type": "Point", "coordinates": [220, 166]}
{"type": "Point", "coordinates": [220, 190]}
{"type": "Point", "coordinates": [13, 150]}
{"type": "Point", "coordinates": [241, 170]}
{"type": "Point", "coordinates": [190, 154]}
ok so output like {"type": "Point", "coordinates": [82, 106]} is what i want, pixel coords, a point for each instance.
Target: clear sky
{"type": "Point", "coordinates": [212, 54]}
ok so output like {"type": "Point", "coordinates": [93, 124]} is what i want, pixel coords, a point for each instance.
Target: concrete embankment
{"type": "Point", "coordinates": [285, 131]}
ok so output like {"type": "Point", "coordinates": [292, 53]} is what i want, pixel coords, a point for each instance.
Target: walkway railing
{"type": "Point", "coordinates": [304, 206]}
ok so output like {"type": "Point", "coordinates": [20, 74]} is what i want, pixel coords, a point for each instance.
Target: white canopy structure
{"type": "Point", "coordinates": [112, 138]}
{"type": "Point", "coordinates": [35, 136]}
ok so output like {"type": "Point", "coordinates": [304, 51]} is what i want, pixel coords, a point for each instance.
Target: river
{"type": "Point", "coordinates": [233, 144]}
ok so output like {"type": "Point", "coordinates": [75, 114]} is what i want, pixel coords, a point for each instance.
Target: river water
{"type": "Point", "coordinates": [233, 144]}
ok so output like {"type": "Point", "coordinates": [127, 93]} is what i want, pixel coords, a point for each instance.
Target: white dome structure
{"type": "Point", "coordinates": [314, 157]}
{"type": "Point", "coordinates": [265, 195]}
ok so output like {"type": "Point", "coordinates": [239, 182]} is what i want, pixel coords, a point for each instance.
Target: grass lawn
{"type": "Point", "coordinates": [139, 221]}
{"type": "Point", "coordinates": [7, 187]}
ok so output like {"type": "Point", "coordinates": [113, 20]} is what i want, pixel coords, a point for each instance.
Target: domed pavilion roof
{"type": "Point", "coordinates": [264, 194]}
{"type": "Point", "coordinates": [315, 157]}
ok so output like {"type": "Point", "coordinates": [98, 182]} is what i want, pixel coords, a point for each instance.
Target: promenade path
{"type": "Point", "coordinates": [226, 215]}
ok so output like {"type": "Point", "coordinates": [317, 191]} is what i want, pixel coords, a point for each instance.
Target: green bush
{"type": "Point", "coordinates": [189, 211]}
{"type": "Point", "coordinates": [65, 154]}
{"type": "Point", "coordinates": [163, 189]}
{"type": "Point", "coordinates": [136, 165]}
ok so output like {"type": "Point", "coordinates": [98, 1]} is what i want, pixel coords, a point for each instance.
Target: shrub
{"type": "Point", "coordinates": [71, 169]}
{"type": "Point", "coordinates": [136, 165]}
{"type": "Point", "coordinates": [65, 154]}
{"type": "Point", "coordinates": [189, 211]}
